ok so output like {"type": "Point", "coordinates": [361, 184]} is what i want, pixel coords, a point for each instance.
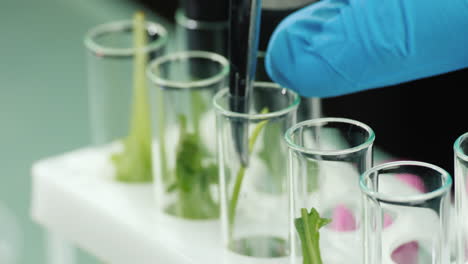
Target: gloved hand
{"type": "Point", "coordinates": [336, 47]}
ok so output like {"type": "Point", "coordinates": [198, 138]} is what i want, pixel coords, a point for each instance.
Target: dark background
{"type": "Point", "coordinates": [418, 120]}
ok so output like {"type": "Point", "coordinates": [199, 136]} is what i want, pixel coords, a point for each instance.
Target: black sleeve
{"type": "Point", "coordinates": [418, 120]}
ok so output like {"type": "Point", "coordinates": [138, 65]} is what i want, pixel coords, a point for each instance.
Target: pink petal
{"type": "Point", "coordinates": [343, 219]}
{"type": "Point", "coordinates": [406, 253]}
{"type": "Point", "coordinates": [388, 220]}
{"type": "Point", "coordinates": [413, 181]}
{"type": "Point", "coordinates": [410, 179]}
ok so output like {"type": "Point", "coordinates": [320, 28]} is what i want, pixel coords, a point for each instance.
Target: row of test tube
{"type": "Point", "coordinates": [398, 212]}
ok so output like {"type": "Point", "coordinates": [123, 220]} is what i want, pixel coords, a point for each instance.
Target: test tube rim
{"type": "Point", "coordinates": [257, 116]}
{"type": "Point", "coordinates": [457, 147]}
{"type": "Point", "coordinates": [121, 25]}
{"type": "Point", "coordinates": [193, 54]}
{"type": "Point", "coordinates": [290, 132]}
{"type": "Point", "coordinates": [416, 198]}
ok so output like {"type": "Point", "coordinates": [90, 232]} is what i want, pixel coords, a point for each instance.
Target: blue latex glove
{"type": "Point", "coordinates": [336, 47]}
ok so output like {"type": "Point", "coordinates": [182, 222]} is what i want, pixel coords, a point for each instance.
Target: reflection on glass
{"type": "Point", "coordinates": [327, 155]}
{"type": "Point", "coordinates": [254, 196]}
{"type": "Point", "coordinates": [407, 213]}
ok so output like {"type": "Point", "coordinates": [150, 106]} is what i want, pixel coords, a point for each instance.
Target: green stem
{"type": "Point", "coordinates": [256, 133]}
{"type": "Point", "coordinates": [311, 250]}
{"type": "Point", "coordinates": [241, 174]}
{"type": "Point", "coordinates": [235, 196]}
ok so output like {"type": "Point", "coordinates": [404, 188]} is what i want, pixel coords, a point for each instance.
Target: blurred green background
{"type": "Point", "coordinates": [43, 97]}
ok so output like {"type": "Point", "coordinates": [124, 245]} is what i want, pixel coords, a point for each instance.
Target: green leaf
{"type": "Point", "coordinates": [307, 226]}
{"type": "Point", "coordinates": [192, 178]}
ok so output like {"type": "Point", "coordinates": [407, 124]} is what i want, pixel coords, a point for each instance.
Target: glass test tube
{"type": "Point", "coordinates": [461, 197]}
{"type": "Point", "coordinates": [110, 65]}
{"type": "Point", "coordinates": [326, 157]}
{"type": "Point", "coordinates": [195, 34]}
{"type": "Point", "coordinates": [183, 125]}
{"type": "Point", "coordinates": [407, 213]}
{"type": "Point", "coordinates": [254, 196]}
{"type": "Point", "coordinates": [310, 108]}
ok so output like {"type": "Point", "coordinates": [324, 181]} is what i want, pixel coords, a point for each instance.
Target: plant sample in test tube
{"type": "Point", "coordinates": [183, 119]}
{"type": "Point", "coordinates": [133, 164]}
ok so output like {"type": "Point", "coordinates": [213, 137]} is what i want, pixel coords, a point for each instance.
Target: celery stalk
{"type": "Point", "coordinates": [133, 164]}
